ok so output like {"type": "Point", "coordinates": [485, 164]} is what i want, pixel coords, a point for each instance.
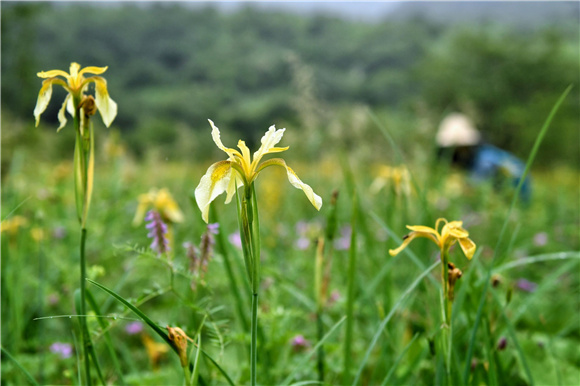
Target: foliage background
{"type": "Point", "coordinates": [176, 64]}
{"type": "Point", "coordinates": [325, 78]}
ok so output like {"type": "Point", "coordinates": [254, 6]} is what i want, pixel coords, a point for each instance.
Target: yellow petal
{"type": "Point", "coordinates": [269, 140]}
{"type": "Point", "coordinates": [52, 74]}
{"type": "Point", "coordinates": [247, 162]}
{"type": "Point", "coordinates": [235, 183]}
{"type": "Point", "coordinates": [61, 113]}
{"type": "Point", "coordinates": [74, 70]}
{"type": "Point", "coordinates": [215, 181]}
{"type": "Point", "coordinates": [93, 70]}
{"type": "Point", "coordinates": [468, 247]}
{"type": "Point", "coordinates": [424, 229]}
{"type": "Point", "coordinates": [107, 107]}
{"type": "Point", "coordinates": [166, 205]}
{"type": "Point", "coordinates": [44, 96]}
{"type": "Point", "coordinates": [294, 180]}
{"type": "Point", "coordinates": [409, 238]}
{"type": "Point", "coordinates": [215, 134]}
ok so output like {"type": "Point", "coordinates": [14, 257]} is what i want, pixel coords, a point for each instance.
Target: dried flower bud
{"type": "Point", "coordinates": [495, 281]}
{"type": "Point", "coordinates": [453, 275]}
{"type": "Point", "coordinates": [179, 339]}
{"type": "Point", "coordinates": [89, 106]}
{"type": "Point", "coordinates": [501, 345]}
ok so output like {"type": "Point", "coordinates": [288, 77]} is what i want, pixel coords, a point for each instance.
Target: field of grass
{"type": "Point", "coordinates": [348, 313]}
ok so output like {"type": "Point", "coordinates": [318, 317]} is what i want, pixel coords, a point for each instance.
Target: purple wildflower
{"type": "Point", "coordinates": [214, 228]}
{"type": "Point", "coordinates": [59, 232]}
{"type": "Point", "coordinates": [63, 349]}
{"type": "Point", "coordinates": [199, 257]}
{"type": "Point", "coordinates": [334, 297]}
{"type": "Point", "coordinates": [526, 285]}
{"type": "Point", "coordinates": [134, 328]}
{"type": "Point", "coordinates": [235, 240]}
{"type": "Point", "coordinates": [302, 243]}
{"type": "Point", "coordinates": [343, 242]}
{"type": "Point", "coordinates": [157, 231]}
{"type": "Point", "coordinates": [299, 343]}
{"type": "Point", "coordinates": [540, 239]}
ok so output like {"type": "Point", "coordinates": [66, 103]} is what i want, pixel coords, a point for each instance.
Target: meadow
{"type": "Point", "coordinates": [527, 327]}
{"type": "Point", "coordinates": [149, 286]}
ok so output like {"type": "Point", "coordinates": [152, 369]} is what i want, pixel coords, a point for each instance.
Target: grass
{"type": "Point", "coordinates": [384, 316]}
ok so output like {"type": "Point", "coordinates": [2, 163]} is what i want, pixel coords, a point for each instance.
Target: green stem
{"type": "Point", "coordinates": [350, 296]}
{"type": "Point", "coordinates": [254, 227]}
{"type": "Point", "coordinates": [83, 320]}
{"type": "Point", "coordinates": [446, 312]}
{"type": "Point", "coordinates": [320, 333]}
{"type": "Point", "coordinates": [254, 344]}
{"type": "Point", "coordinates": [250, 235]}
{"type": "Point", "coordinates": [187, 375]}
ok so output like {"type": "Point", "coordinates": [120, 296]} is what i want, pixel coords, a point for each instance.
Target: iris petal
{"type": "Point", "coordinates": [410, 237]}
{"type": "Point", "coordinates": [106, 106]}
{"type": "Point", "coordinates": [61, 113]}
{"type": "Point", "coordinates": [269, 140]}
{"type": "Point", "coordinates": [215, 134]}
{"type": "Point", "coordinates": [294, 180]}
{"type": "Point", "coordinates": [43, 98]}
{"type": "Point", "coordinates": [215, 181]}
{"type": "Point", "coordinates": [468, 247]}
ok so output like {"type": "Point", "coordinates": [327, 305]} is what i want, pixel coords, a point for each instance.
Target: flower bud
{"type": "Point", "coordinates": [179, 339]}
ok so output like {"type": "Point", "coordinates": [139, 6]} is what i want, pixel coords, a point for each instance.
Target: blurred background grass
{"type": "Point", "coordinates": [320, 74]}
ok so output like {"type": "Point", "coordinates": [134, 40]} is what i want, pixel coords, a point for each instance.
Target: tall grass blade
{"type": "Point", "coordinates": [388, 317]}
{"type": "Point", "coordinates": [158, 329]}
{"type": "Point", "coordinates": [89, 347]}
{"type": "Point", "coordinates": [162, 334]}
{"type": "Point", "coordinates": [538, 259]}
{"type": "Point", "coordinates": [347, 358]}
{"type": "Point", "coordinates": [483, 295]}
{"type": "Point", "coordinates": [398, 360]}
{"type": "Point", "coordinates": [103, 323]}
{"type": "Point", "coordinates": [28, 376]}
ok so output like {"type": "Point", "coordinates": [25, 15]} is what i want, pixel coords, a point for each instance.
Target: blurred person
{"type": "Point", "coordinates": [460, 142]}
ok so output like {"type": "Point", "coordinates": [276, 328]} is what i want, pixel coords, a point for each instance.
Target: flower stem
{"type": "Point", "coordinates": [446, 312]}
{"type": "Point", "coordinates": [250, 235]}
{"type": "Point", "coordinates": [83, 320]}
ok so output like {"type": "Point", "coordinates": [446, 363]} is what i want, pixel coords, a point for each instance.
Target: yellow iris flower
{"type": "Point", "coordinates": [12, 225]}
{"type": "Point", "coordinates": [163, 202]}
{"type": "Point", "coordinates": [397, 175]}
{"type": "Point", "coordinates": [76, 84]}
{"type": "Point", "coordinates": [450, 233]}
{"type": "Point", "coordinates": [240, 169]}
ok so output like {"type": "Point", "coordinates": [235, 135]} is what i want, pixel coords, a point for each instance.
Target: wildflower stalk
{"type": "Point", "coordinates": [83, 188]}
{"type": "Point", "coordinates": [350, 296]}
{"type": "Point", "coordinates": [322, 279]}
{"type": "Point", "coordinates": [250, 235]}
{"type": "Point", "coordinates": [446, 310]}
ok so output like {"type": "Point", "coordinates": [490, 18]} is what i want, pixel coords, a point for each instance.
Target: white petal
{"type": "Point", "coordinates": [294, 180]}
{"type": "Point", "coordinates": [61, 113]}
{"type": "Point", "coordinates": [269, 140]}
{"type": "Point", "coordinates": [215, 181]}
{"type": "Point", "coordinates": [43, 98]}
{"type": "Point", "coordinates": [215, 134]}
{"type": "Point", "coordinates": [106, 106]}
{"type": "Point", "coordinates": [297, 183]}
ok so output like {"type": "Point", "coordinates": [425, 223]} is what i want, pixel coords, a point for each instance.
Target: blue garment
{"type": "Point", "coordinates": [491, 162]}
